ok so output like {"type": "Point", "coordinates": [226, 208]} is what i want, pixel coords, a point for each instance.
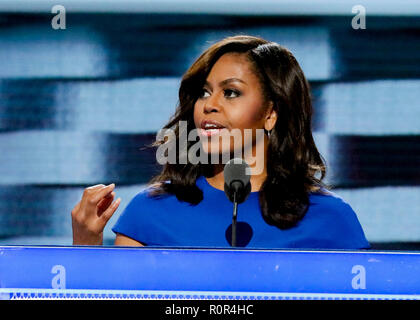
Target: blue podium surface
{"type": "Point", "coordinates": [205, 273]}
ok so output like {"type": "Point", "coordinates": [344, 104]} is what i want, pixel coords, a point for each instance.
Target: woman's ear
{"type": "Point", "coordinates": [271, 117]}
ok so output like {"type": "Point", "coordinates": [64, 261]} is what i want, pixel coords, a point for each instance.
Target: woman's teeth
{"type": "Point", "coordinates": [210, 131]}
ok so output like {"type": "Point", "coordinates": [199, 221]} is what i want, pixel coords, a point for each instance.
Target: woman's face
{"type": "Point", "coordinates": [232, 97]}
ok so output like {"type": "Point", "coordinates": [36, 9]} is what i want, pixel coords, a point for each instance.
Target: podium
{"type": "Point", "coordinates": [38, 272]}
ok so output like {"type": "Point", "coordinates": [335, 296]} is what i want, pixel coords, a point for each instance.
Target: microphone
{"type": "Point", "coordinates": [237, 187]}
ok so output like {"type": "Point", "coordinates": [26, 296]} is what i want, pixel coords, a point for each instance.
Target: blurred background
{"type": "Point", "coordinates": [78, 104]}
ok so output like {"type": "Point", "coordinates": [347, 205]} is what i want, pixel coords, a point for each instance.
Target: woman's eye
{"type": "Point", "coordinates": [229, 92]}
{"type": "Point", "coordinates": [203, 92]}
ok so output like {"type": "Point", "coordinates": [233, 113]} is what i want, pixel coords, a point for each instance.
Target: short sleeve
{"type": "Point", "coordinates": [348, 230]}
{"type": "Point", "coordinates": [335, 224]}
{"type": "Point", "coordinates": [133, 221]}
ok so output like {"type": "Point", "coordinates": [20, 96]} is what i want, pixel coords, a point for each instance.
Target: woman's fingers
{"type": "Point", "coordinates": [103, 192]}
{"type": "Point", "coordinates": [97, 186]}
{"type": "Point", "coordinates": [95, 195]}
{"type": "Point", "coordinates": [105, 202]}
{"type": "Point", "coordinates": [91, 214]}
{"type": "Point", "coordinates": [110, 211]}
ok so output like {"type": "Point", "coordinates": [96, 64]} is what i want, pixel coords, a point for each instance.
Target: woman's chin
{"type": "Point", "coordinates": [219, 154]}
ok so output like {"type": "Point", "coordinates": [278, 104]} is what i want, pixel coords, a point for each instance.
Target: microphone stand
{"type": "Point", "coordinates": [237, 187]}
{"type": "Point", "coordinates": [234, 216]}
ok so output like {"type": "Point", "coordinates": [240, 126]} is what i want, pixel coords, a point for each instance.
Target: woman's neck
{"type": "Point", "coordinates": [217, 179]}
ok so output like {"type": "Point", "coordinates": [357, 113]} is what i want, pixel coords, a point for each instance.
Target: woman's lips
{"type": "Point", "coordinates": [210, 132]}
{"type": "Point", "coordinates": [210, 127]}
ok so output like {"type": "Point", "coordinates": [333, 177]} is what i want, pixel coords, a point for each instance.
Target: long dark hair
{"type": "Point", "coordinates": [293, 161]}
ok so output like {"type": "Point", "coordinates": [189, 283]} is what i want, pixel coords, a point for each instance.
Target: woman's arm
{"type": "Point", "coordinates": [122, 240]}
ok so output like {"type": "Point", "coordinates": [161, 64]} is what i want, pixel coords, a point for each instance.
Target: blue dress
{"type": "Point", "coordinates": [329, 223]}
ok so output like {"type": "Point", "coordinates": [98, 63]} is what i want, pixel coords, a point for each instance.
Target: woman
{"type": "Point", "coordinates": [240, 83]}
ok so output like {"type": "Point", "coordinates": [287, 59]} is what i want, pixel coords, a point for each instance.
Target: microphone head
{"type": "Point", "coordinates": [237, 180]}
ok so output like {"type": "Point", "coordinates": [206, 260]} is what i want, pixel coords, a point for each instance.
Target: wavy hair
{"type": "Point", "coordinates": [293, 161]}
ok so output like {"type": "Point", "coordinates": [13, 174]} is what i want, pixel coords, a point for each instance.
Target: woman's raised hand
{"type": "Point", "coordinates": [91, 214]}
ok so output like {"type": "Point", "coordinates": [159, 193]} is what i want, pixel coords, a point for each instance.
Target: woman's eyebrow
{"type": "Point", "coordinates": [226, 81]}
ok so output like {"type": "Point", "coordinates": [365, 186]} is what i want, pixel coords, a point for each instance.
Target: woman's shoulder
{"type": "Point", "coordinates": [329, 204]}
{"type": "Point", "coordinates": [326, 197]}
{"type": "Point", "coordinates": [149, 195]}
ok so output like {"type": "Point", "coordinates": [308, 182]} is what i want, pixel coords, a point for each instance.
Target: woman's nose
{"type": "Point", "coordinates": [212, 104]}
